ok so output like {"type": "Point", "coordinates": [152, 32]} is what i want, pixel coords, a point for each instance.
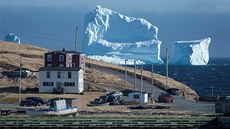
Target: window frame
{"type": "Point", "coordinates": [136, 96]}
{"type": "Point", "coordinates": [47, 74]}
{"type": "Point", "coordinates": [58, 74]}
{"type": "Point", "coordinates": [69, 84]}
{"type": "Point", "coordinates": [48, 83]}
{"type": "Point", "coordinates": [69, 74]}
{"type": "Point", "coordinates": [61, 57]}
{"type": "Point", "coordinates": [49, 57]}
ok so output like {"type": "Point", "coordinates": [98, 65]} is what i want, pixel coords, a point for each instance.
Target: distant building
{"type": "Point", "coordinates": [63, 72]}
{"type": "Point", "coordinates": [223, 105]}
{"type": "Point", "coordinates": [16, 73]}
{"type": "Point", "coordinates": [140, 97]}
{"type": "Point", "coordinates": [64, 59]}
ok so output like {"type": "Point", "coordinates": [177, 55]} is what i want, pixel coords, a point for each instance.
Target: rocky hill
{"type": "Point", "coordinates": [32, 58]}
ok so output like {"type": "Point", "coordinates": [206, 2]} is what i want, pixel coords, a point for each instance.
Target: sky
{"type": "Point", "coordinates": [52, 24]}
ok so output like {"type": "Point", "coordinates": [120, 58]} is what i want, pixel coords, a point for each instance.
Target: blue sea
{"type": "Point", "coordinates": [213, 78]}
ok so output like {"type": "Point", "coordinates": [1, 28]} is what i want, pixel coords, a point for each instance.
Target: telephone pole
{"type": "Point", "coordinates": [134, 75]}
{"type": "Point", "coordinates": [166, 67]}
{"type": "Point", "coordinates": [76, 39]}
{"type": "Point", "coordinates": [125, 71]}
{"type": "Point", "coordinates": [20, 80]}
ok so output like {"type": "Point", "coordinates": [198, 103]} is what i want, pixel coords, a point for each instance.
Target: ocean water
{"type": "Point", "coordinates": [213, 78]}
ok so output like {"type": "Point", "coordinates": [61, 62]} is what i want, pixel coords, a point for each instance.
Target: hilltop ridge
{"type": "Point", "coordinates": [33, 59]}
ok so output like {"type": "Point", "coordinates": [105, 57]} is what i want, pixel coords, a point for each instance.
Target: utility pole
{"type": "Point", "coordinates": [125, 71]}
{"type": "Point", "coordinates": [141, 83]}
{"type": "Point", "coordinates": [76, 39]}
{"type": "Point", "coordinates": [152, 84]}
{"type": "Point", "coordinates": [166, 67]}
{"type": "Point", "coordinates": [20, 80]}
{"type": "Point", "coordinates": [134, 75]}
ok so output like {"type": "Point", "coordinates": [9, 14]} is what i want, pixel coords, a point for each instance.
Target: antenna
{"type": "Point", "coordinates": [76, 39]}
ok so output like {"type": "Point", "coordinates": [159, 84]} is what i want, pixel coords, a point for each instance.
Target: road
{"type": "Point", "coordinates": [179, 103]}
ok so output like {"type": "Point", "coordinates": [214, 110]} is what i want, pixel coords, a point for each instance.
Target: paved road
{"type": "Point", "coordinates": [179, 102]}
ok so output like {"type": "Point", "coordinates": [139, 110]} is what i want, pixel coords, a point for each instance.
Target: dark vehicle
{"type": "Point", "coordinates": [125, 92]}
{"type": "Point", "coordinates": [165, 97]}
{"type": "Point", "coordinates": [116, 100]}
{"type": "Point", "coordinates": [104, 98]}
{"type": "Point", "coordinates": [114, 93]}
{"type": "Point", "coordinates": [38, 100]}
{"type": "Point", "coordinates": [28, 103]}
{"type": "Point", "coordinates": [98, 101]}
{"type": "Point", "coordinates": [174, 91]}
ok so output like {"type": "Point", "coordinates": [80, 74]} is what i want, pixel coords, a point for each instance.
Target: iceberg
{"type": "Point", "coordinates": [112, 37]}
{"type": "Point", "coordinates": [12, 38]}
{"type": "Point", "coordinates": [190, 52]}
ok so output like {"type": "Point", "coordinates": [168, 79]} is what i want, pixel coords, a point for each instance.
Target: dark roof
{"type": "Point", "coordinates": [66, 52]}
{"type": "Point", "coordinates": [139, 92]}
{"type": "Point", "coordinates": [18, 69]}
{"type": "Point", "coordinates": [59, 69]}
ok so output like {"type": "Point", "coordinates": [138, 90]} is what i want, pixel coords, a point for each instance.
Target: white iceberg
{"type": "Point", "coordinates": [12, 38]}
{"type": "Point", "coordinates": [190, 52]}
{"type": "Point", "coordinates": [118, 37]}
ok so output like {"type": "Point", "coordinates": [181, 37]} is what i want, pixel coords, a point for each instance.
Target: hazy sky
{"type": "Point", "coordinates": [51, 24]}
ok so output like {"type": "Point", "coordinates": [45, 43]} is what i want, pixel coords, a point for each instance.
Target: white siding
{"type": "Point", "coordinates": [143, 97]}
{"type": "Point", "coordinates": [77, 77]}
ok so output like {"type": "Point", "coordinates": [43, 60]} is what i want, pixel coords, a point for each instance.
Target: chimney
{"type": "Point", "coordinates": [63, 49]}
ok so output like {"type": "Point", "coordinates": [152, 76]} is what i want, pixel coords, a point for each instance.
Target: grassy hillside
{"type": "Point", "coordinates": [94, 80]}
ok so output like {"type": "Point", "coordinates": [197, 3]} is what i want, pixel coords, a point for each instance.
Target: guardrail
{"type": "Point", "coordinates": [62, 122]}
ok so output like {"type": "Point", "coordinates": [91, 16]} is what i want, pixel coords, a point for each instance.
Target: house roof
{"type": "Point", "coordinates": [139, 92]}
{"type": "Point", "coordinates": [18, 69]}
{"type": "Point", "coordinates": [66, 52]}
{"type": "Point", "coordinates": [59, 69]}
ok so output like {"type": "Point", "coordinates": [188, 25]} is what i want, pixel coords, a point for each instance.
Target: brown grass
{"type": "Point", "coordinates": [94, 80]}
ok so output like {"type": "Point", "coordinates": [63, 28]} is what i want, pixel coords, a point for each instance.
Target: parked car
{"type": "Point", "coordinates": [116, 100]}
{"type": "Point", "coordinates": [125, 92]}
{"type": "Point", "coordinates": [174, 91]}
{"type": "Point", "coordinates": [104, 98]}
{"type": "Point", "coordinates": [28, 103]}
{"type": "Point", "coordinates": [115, 93]}
{"type": "Point", "coordinates": [38, 100]}
{"type": "Point", "coordinates": [165, 97]}
{"type": "Point", "coordinates": [98, 101]}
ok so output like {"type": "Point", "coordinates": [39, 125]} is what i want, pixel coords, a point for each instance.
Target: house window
{"type": "Point", "coordinates": [58, 74]}
{"type": "Point", "coordinates": [61, 57]}
{"type": "Point", "coordinates": [48, 74]}
{"type": "Point", "coordinates": [136, 96]}
{"type": "Point", "coordinates": [69, 84]}
{"type": "Point", "coordinates": [49, 65]}
{"type": "Point", "coordinates": [49, 57]}
{"type": "Point", "coordinates": [61, 65]}
{"type": "Point", "coordinates": [48, 83]}
{"type": "Point", "coordinates": [69, 75]}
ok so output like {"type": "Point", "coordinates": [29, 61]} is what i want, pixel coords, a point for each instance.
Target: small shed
{"type": "Point", "coordinates": [141, 97]}
{"type": "Point", "coordinates": [223, 106]}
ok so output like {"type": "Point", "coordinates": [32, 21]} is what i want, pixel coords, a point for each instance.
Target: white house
{"type": "Point", "coordinates": [138, 96]}
{"type": "Point", "coordinates": [69, 79]}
